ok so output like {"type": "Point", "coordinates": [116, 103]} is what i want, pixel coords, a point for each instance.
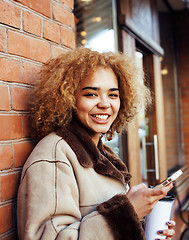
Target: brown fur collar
{"type": "Point", "coordinates": [77, 136]}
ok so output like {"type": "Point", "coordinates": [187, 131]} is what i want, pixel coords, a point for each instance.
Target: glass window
{"type": "Point", "coordinates": [96, 28]}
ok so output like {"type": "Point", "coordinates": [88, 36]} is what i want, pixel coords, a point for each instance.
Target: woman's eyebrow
{"type": "Point", "coordinates": [96, 88]}
{"type": "Point", "coordinates": [92, 88]}
{"type": "Point", "coordinates": [114, 89]}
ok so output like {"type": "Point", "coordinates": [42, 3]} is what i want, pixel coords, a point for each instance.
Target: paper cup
{"type": "Point", "coordinates": [157, 219]}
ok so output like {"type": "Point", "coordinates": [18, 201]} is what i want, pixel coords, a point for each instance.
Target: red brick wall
{"type": "Point", "coordinates": [183, 59]}
{"type": "Point", "coordinates": [31, 31]}
{"type": "Point", "coordinates": [181, 19]}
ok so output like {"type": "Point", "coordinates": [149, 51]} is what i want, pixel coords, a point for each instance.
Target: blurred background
{"type": "Point", "coordinates": [156, 34]}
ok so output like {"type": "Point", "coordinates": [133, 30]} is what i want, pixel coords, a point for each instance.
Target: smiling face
{"type": "Point", "coordinates": [98, 101]}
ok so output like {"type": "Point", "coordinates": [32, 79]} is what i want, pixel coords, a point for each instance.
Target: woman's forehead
{"type": "Point", "coordinates": [101, 78]}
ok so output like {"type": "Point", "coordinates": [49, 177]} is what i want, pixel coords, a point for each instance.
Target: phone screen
{"type": "Point", "coordinates": [172, 178]}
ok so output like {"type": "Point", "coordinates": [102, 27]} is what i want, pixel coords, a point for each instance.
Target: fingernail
{"type": "Point", "coordinates": [169, 222]}
{"type": "Point", "coordinates": [160, 232]}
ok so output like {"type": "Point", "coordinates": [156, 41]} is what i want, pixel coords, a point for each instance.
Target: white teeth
{"type": "Point", "coordinates": [101, 117]}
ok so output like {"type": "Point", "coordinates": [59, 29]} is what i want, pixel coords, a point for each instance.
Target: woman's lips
{"type": "Point", "coordinates": [100, 118]}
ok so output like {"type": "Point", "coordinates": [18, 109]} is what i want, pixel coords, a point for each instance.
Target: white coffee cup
{"type": "Point", "coordinates": [157, 219]}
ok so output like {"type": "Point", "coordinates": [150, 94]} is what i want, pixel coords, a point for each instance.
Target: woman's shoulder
{"type": "Point", "coordinates": [46, 150]}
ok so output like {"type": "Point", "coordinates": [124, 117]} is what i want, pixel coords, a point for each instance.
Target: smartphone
{"type": "Point", "coordinates": [170, 179]}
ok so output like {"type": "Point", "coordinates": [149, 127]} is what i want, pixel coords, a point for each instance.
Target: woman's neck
{"type": "Point", "coordinates": [95, 138]}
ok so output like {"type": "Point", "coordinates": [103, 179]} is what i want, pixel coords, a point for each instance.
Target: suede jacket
{"type": "Point", "coordinates": [72, 190]}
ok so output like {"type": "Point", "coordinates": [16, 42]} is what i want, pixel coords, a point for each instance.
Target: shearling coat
{"type": "Point", "coordinates": [70, 189]}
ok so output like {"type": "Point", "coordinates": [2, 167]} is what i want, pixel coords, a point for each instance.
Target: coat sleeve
{"type": "Point", "coordinates": [48, 207]}
{"type": "Point", "coordinates": [122, 218]}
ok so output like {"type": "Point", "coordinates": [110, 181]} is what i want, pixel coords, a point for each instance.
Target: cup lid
{"type": "Point", "coordinates": [168, 198]}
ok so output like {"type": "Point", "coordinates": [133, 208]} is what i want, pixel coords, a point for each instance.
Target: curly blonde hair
{"type": "Point", "coordinates": [54, 96]}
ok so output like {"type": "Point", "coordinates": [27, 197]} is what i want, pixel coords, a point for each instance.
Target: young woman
{"type": "Point", "coordinates": [73, 186]}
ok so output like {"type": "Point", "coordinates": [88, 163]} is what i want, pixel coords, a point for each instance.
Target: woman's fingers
{"type": "Point", "coordinates": [162, 191]}
{"type": "Point", "coordinates": [139, 187]}
{"type": "Point", "coordinates": [171, 224]}
{"type": "Point", "coordinates": [149, 198]}
{"type": "Point", "coordinates": [170, 232]}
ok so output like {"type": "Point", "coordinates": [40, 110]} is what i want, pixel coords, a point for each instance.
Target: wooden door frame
{"type": "Point", "coordinates": [132, 138]}
{"type": "Point", "coordinates": [159, 105]}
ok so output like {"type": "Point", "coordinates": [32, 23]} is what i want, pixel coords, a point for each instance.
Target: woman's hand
{"type": "Point", "coordinates": [170, 232]}
{"type": "Point", "coordinates": [144, 199]}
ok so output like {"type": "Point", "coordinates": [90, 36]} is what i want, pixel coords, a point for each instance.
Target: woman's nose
{"type": "Point", "coordinates": [103, 103]}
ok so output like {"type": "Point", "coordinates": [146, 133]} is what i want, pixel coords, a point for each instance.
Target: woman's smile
{"type": "Point", "coordinates": [100, 118]}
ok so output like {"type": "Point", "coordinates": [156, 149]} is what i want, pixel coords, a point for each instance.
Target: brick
{"type": "Point", "coordinates": [11, 127]}
{"type": "Point", "coordinates": [42, 6]}
{"type": "Point", "coordinates": [51, 31]}
{"type": "Point", "coordinates": [185, 99]}
{"type": "Point", "coordinates": [30, 72]}
{"type": "Point", "coordinates": [22, 150]}
{"type": "Point", "coordinates": [9, 185]}
{"type": "Point", "coordinates": [69, 3]}
{"type": "Point", "coordinates": [62, 15]}
{"type": "Point", "coordinates": [9, 14]}
{"type": "Point", "coordinates": [28, 47]}
{"type": "Point", "coordinates": [4, 93]}
{"type": "Point", "coordinates": [186, 146]}
{"type": "Point", "coordinates": [186, 141]}
{"type": "Point", "coordinates": [2, 40]}
{"type": "Point", "coordinates": [185, 128]}
{"type": "Point", "coordinates": [185, 118]}
{"type": "Point", "coordinates": [186, 161]}
{"type": "Point", "coordinates": [6, 156]}
{"type": "Point", "coordinates": [26, 126]}
{"type": "Point", "coordinates": [56, 50]}
{"type": "Point", "coordinates": [184, 81]}
{"type": "Point", "coordinates": [6, 218]}
{"type": "Point", "coordinates": [20, 98]}
{"type": "Point", "coordinates": [67, 37]}
{"type": "Point", "coordinates": [31, 23]}
{"type": "Point", "coordinates": [10, 70]}
{"type": "Point", "coordinates": [186, 151]}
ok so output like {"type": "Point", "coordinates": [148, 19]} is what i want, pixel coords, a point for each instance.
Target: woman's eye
{"type": "Point", "coordinates": [114, 95]}
{"type": "Point", "coordinates": [90, 95]}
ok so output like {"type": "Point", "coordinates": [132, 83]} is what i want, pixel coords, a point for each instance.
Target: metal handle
{"type": "Point", "coordinates": [156, 157]}
{"type": "Point", "coordinates": [144, 156]}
